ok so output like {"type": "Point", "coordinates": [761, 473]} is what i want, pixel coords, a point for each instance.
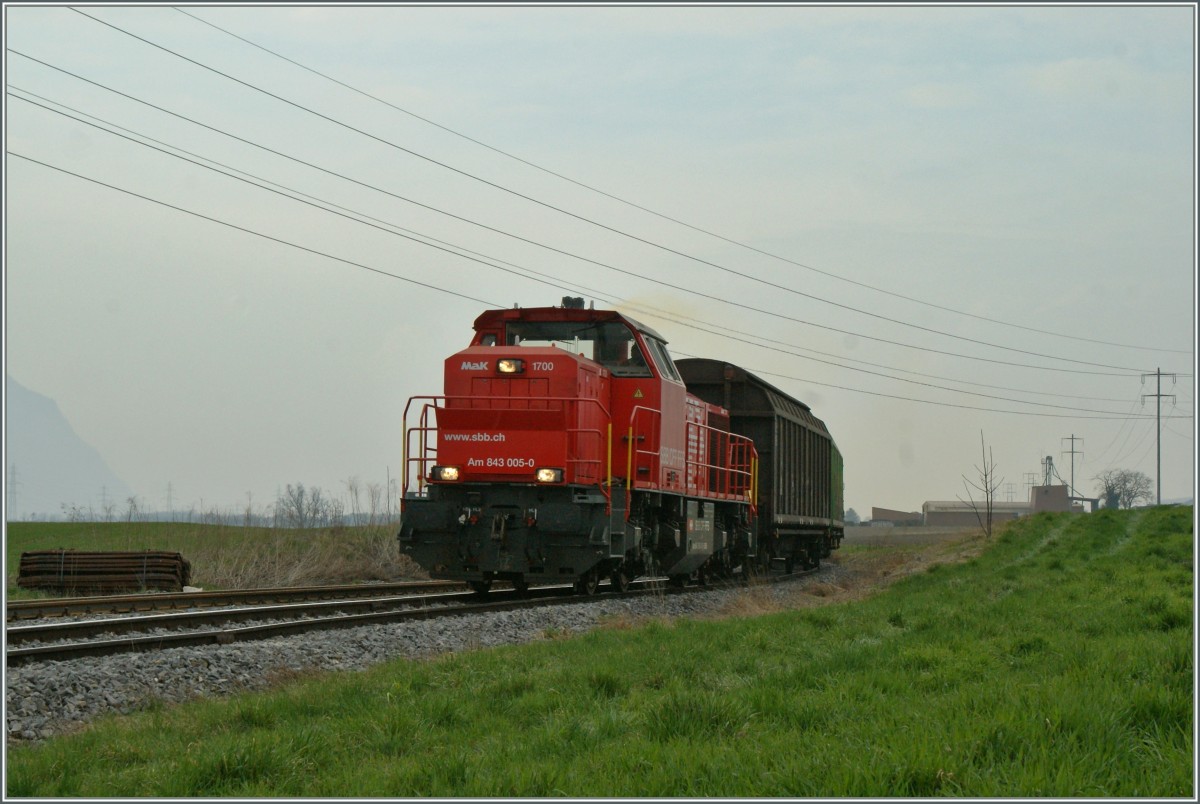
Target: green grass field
{"type": "Point", "coordinates": [1058, 663]}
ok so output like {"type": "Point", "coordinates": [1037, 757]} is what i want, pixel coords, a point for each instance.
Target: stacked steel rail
{"type": "Point", "coordinates": [103, 572]}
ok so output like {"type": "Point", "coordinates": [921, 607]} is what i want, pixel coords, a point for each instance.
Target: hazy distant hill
{"type": "Point", "coordinates": [53, 464]}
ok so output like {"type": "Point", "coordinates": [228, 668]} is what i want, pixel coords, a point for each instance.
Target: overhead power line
{"type": "Point", "coordinates": [1173, 431]}
{"type": "Point", "coordinates": [1123, 453]}
{"type": "Point", "coordinates": [482, 301]}
{"type": "Point", "coordinates": [627, 272]}
{"type": "Point", "coordinates": [575, 287]}
{"type": "Point", "coordinates": [767, 373]}
{"type": "Point", "coordinates": [556, 284]}
{"type": "Point", "coordinates": [578, 217]}
{"type": "Point", "coordinates": [1127, 421]}
{"type": "Point", "coordinates": [253, 232]}
{"type": "Point", "coordinates": [359, 216]}
{"type": "Point", "coordinates": [662, 215]}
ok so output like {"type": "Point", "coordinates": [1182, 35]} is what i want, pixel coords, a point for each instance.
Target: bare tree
{"type": "Point", "coordinates": [987, 486]}
{"type": "Point", "coordinates": [353, 486]}
{"type": "Point", "coordinates": [335, 512]}
{"type": "Point", "coordinates": [1140, 487]}
{"type": "Point", "coordinates": [302, 507]}
{"type": "Point", "coordinates": [75, 513]}
{"type": "Point", "coordinates": [1123, 488]}
{"type": "Point", "coordinates": [374, 497]}
{"type": "Point", "coordinates": [316, 506]}
{"type": "Point", "coordinates": [1108, 487]}
{"type": "Point", "coordinates": [293, 505]}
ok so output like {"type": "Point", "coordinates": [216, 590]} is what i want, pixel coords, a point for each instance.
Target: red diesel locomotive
{"type": "Point", "coordinates": [567, 447]}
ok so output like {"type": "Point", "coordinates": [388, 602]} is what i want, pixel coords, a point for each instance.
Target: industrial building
{"type": "Point", "coordinates": [944, 513]}
{"type": "Point", "coordinates": [1041, 498]}
{"type": "Point", "coordinates": [901, 518]}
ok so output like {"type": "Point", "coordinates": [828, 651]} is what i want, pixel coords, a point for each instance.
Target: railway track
{"type": "Point", "coordinates": [122, 604]}
{"type": "Point", "coordinates": [69, 640]}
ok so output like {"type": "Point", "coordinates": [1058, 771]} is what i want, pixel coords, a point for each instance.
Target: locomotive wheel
{"type": "Point", "coordinates": [620, 582]}
{"type": "Point", "coordinates": [480, 587]}
{"type": "Point", "coordinates": [587, 584]}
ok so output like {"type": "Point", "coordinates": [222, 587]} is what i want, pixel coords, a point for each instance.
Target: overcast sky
{"type": "Point", "coordinates": [926, 223]}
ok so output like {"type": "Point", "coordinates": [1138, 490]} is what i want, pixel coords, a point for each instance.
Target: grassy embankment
{"type": "Point", "coordinates": [1057, 663]}
{"type": "Point", "coordinates": [224, 557]}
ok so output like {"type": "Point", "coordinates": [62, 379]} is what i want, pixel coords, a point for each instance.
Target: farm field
{"type": "Point", "coordinates": [227, 557]}
{"type": "Point", "coordinates": [1055, 660]}
{"type": "Point", "coordinates": [905, 535]}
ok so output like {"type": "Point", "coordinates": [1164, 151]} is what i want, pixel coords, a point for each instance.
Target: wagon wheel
{"type": "Point", "coordinates": [760, 567]}
{"type": "Point", "coordinates": [480, 587]}
{"type": "Point", "coordinates": [522, 587]}
{"type": "Point", "coordinates": [587, 583]}
{"type": "Point", "coordinates": [677, 581]}
{"type": "Point", "coordinates": [620, 581]}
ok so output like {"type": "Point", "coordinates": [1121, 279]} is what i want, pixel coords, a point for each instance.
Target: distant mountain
{"type": "Point", "coordinates": [54, 466]}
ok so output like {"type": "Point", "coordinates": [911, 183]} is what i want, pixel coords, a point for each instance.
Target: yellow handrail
{"type": "Point", "coordinates": [403, 462]}
{"type": "Point", "coordinates": [754, 484]}
{"type": "Point", "coordinates": [608, 488]}
{"type": "Point", "coordinates": [629, 472]}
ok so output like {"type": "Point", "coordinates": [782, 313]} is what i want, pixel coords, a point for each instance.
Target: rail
{"type": "Point", "coordinates": [119, 604]}
{"type": "Point", "coordinates": [207, 628]}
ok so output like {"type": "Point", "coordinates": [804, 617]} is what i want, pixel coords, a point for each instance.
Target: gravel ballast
{"type": "Point", "coordinates": [50, 698]}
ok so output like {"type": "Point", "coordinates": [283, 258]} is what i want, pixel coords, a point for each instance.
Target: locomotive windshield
{"type": "Point", "coordinates": [610, 344]}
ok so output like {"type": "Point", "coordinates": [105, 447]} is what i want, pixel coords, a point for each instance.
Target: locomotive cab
{"type": "Point", "coordinates": [642, 387]}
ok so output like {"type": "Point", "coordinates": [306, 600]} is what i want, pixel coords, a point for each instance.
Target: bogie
{"type": "Point", "coordinates": [588, 583]}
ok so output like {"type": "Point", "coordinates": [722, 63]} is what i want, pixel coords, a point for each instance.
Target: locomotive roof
{"type": "Point", "coordinates": [491, 319]}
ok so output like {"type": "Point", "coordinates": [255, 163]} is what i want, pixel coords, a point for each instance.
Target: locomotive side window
{"type": "Point", "coordinates": [666, 366]}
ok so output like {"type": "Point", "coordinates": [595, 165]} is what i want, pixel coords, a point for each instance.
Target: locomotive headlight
{"type": "Point", "coordinates": [510, 365]}
{"type": "Point", "coordinates": [549, 475]}
{"type": "Point", "coordinates": [445, 473]}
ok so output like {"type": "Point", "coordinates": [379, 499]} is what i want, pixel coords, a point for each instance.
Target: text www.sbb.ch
{"type": "Point", "coordinates": [490, 437]}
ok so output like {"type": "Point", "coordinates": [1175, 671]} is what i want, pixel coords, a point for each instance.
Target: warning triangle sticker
{"type": "Point", "coordinates": [637, 394]}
